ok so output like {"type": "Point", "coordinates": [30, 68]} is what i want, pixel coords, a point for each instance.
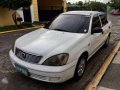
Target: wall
{"type": "Point", "coordinates": [32, 13]}
{"type": "Point", "coordinates": [35, 10]}
{"type": "Point", "coordinates": [6, 17]}
{"type": "Point", "coordinates": [48, 4]}
{"type": "Point", "coordinates": [65, 5]}
{"type": "Point", "coordinates": [20, 11]}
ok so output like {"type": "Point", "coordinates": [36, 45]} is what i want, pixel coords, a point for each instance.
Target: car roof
{"type": "Point", "coordinates": [83, 12]}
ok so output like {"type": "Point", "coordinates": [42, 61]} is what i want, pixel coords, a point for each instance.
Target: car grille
{"type": "Point", "coordinates": [27, 57]}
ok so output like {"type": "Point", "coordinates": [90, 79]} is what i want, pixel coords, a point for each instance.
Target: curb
{"type": "Point", "coordinates": [18, 30]}
{"type": "Point", "coordinates": [97, 78]}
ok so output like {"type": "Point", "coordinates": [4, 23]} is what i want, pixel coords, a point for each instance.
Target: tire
{"type": "Point", "coordinates": [80, 68]}
{"type": "Point", "coordinates": [107, 42]}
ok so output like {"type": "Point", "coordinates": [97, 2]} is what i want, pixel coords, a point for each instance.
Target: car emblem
{"type": "Point", "coordinates": [23, 55]}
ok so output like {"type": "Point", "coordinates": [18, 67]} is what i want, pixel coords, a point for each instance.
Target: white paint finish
{"type": "Point", "coordinates": [4, 81]}
{"type": "Point", "coordinates": [47, 43]}
{"type": "Point", "coordinates": [44, 42]}
{"type": "Point", "coordinates": [32, 13]}
{"type": "Point", "coordinates": [20, 11]}
{"type": "Point", "coordinates": [82, 12]}
{"type": "Point", "coordinates": [74, 1]}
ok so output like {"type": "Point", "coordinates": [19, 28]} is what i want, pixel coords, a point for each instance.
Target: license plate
{"type": "Point", "coordinates": [22, 70]}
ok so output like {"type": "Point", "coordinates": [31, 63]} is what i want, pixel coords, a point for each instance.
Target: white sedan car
{"type": "Point", "coordinates": [60, 51]}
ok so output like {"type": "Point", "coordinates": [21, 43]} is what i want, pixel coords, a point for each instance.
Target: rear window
{"type": "Point", "coordinates": [70, 23]}
{"type": "Point", "coordinates": [96, 22]}
{"type": "Point", "coordinates": [104, 19]}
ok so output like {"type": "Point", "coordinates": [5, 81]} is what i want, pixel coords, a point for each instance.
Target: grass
{"type": "Point", "coordinates": [12, 27]}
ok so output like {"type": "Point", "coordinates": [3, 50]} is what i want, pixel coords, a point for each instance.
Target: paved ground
{"type": "Point", "coordinates": [12, 80]}
{"type": "Point", "coordinates": [111, 79]}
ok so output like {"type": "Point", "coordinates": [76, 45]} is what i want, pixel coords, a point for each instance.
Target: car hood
{"type": "Point", "coordinates": [44, 41]}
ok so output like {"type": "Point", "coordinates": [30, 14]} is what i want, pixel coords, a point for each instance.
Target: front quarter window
{"type": "Point", "coordinates": [70, 23]}
{"type": "Point", "coordinates": [104, 19]}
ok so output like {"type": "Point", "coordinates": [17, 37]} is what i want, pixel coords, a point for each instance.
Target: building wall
{"type": "Point", "coordinates": [44, 5]}
{"type": "Point", "coordinates": [6, 17]}
{"type": "Point", "coordinates": [32, 13]}
{"type": "Point", "coordinates": [65, 5]}
{"type": "Point", "coordinates": [20, 12]}
{"type": "Point", "coordinates": [48, 3]}
{"type": "Point", "coordinates": [35, 10]}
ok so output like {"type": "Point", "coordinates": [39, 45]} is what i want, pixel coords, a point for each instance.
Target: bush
{"type": "Point", "coordinates": [114, 4]}
{"type": "Point", "coordinates": [6, 28]}
{"type": "Point", "coordinates": [15, 4]}
{"type": "Point", "coordinates": [29, 24]}
{"type": "Point", "coordinates": [95, 6]}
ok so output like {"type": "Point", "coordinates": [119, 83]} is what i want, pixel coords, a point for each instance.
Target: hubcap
{"type": "Point", "coordinates": [81, 67]}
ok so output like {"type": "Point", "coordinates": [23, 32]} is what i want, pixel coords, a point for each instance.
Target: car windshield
{"type": "Point", "coordinates": [70, 23]}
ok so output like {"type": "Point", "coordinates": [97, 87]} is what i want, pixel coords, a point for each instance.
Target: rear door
{"type": "Point", "coordinates": [105, 26]}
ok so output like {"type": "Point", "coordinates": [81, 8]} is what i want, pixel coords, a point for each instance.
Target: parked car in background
{"type": "Point", "coordinates": [115, 12]}
{"type": "Point", "coordinates": [61, 50]}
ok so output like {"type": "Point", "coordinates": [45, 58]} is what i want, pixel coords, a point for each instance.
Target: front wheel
{"type": "Point", "coordinates": [80, 68]}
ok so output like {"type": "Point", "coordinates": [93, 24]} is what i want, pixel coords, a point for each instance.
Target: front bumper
{"type": "Point", "coordinates": [46, 73]}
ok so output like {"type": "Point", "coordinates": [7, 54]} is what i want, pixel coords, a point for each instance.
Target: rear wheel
{"type": "Point", "coordinates": [80, 68]}
{"type": "Point", "coordinates": [107, 42]}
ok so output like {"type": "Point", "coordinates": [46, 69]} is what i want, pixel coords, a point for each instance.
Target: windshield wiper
{"type": "Point", "coordinates": [60, 30]}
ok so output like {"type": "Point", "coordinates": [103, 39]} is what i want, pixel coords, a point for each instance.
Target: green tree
{"type": "Point", "coordinates": [80, 3]}
{"type": "Point", "coordinates": [95, 6]}
{"type": "Point", "coordinates": [15, 4]}
{"type": "Point", "coordinates": [69, 3]}
{"type": "Point", "coordinates": [114, 4]}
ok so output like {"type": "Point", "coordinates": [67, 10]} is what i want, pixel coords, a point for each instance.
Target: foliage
{"type": "Point", "coordinates": [91, 5]}
{"type": "Point", "coordinates": [6, 28]}
{"type": "Point", "coordinates": [80, 3]}
{"type": "Point", "coordinates": [114, 4]}
{"type": "Point", "coordinates": [15, 4]}
{"type": "Point", "coordinates": [69, 3]}
{"type": "Point", "coordinates": [95, 6]}
{"type": "Point", "coordinates": [27, 24]}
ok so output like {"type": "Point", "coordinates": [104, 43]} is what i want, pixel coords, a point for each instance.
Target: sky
{"type": "Point", "coordinates": [73, 1]}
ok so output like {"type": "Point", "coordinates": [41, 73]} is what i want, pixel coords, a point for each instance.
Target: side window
{"type": "Point", "coordinates": [104, 19]}
{"type": "Point", "coordinates": [96, 22]}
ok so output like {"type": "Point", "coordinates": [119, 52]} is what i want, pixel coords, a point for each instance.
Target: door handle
{"type": "Point", "coordinates": [89, 44]}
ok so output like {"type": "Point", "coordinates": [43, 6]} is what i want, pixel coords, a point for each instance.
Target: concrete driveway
{"type": "Point", "coordinates": [12, 80]}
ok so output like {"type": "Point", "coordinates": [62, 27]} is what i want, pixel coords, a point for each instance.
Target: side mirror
{"type": "Point", "coordinates": [45, 23]}
{"type": "Point", "coordinates": [97, 30]}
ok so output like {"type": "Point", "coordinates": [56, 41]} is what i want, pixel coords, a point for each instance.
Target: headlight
{"type": "Point", "coordinates": [57, 60]}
